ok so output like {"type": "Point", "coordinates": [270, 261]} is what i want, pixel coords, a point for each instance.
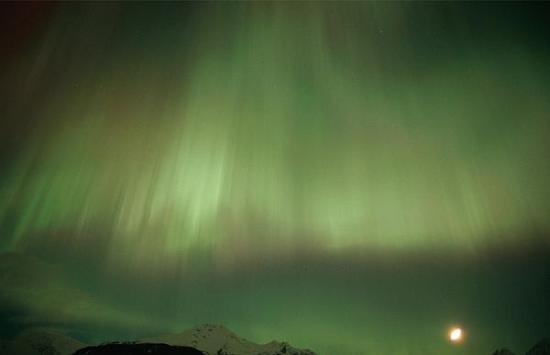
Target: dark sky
{"type": "Point", "coordinates": [354, 178]}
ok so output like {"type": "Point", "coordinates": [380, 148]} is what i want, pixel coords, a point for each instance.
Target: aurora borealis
{"type": "Point", "coordinates": [351, 177]}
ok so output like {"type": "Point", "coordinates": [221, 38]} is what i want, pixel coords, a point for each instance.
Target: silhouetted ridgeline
{"type": "Point", "coordinates": [503, 352]}
{"type": "Point", "coordinates": [540, 348]}
{"type": "Point", "coordinates": [138, 349]}
{"type": "Point", "coordinates": [206, 339]}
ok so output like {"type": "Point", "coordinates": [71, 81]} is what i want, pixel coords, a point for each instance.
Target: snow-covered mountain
{"type": "Point", "coordinates": [218, 340]}
{"type": "Point", "coordinates": [39, 341]}
{"type": "Point", "coordinates": [209, 339]}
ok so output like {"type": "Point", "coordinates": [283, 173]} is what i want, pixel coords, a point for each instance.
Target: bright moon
{"type": "Point", "coordinates": [455, 335]}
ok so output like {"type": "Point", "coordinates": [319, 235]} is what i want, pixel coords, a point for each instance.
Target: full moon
{"type": "Point", "coordinates": [455, 335]}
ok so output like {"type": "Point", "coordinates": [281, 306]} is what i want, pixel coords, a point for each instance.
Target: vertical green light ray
{"type": "Point", "coordinates": [271, 129]}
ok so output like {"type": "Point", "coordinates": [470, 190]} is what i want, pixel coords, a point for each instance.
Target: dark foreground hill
{"type": "Point", "coordinates": [138, 349]}
{"type": "Point", "coordinates": [541, 348]}
{"type": "Point", "coordinates": [503, 352]}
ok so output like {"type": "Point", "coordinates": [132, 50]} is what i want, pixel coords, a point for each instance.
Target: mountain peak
{"type": "Point", "coordinates": [211, 328]}
{"type": "Point", "coordinates": [213, 339]}
{"type": "Point", "coordinates": [42, 341]}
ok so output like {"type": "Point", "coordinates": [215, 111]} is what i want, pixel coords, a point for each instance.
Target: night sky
{"type": "Point", "coordinates": [354, 178]}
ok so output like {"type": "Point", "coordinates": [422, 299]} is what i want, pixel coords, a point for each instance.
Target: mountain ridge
{"type": "Point", "coordinates": [215, 339]}
{"type": "Point", "coordinates": [208, 339]}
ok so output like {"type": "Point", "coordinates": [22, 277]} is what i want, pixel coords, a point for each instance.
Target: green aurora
{"type": "Point", "coordinates": [350, 177]}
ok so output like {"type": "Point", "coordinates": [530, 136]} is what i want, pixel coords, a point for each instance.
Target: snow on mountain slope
{"type": "Point", "coordinates": [41, 341]}
{"type": "Point", "coordinates": [218, 340]}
